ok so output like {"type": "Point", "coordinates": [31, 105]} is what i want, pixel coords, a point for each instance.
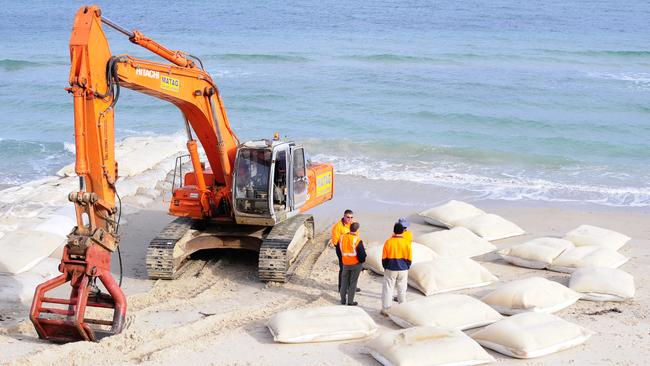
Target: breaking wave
{"type": "Point", "coordinates": [503, 186]}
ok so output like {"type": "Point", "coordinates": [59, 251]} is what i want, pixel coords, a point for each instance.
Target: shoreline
{"type": "Point", "coordinates": [468, 194]}
{"type": "Point", "coordinates": [380, 196]}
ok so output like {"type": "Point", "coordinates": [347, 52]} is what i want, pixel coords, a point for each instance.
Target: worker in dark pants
{"type": "Point", "coordinates": [353, 254]}
{"type": "Point", "coordinates": [340, 228]}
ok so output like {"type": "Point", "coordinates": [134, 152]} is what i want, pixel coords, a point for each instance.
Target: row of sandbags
{"type": "Point", "coordinates": [431, 275]}
{"type": "Point", "coordinates": [525, 335]}
{"type": "Point", "coordinates": [434, 325]}
{"type": "Point", "coordinates": [433, 333]}
{"type": "Point", "coordinates": [36, 217]}
{"type": "Point", "coordinates": [530, 333]}
{"type": "Point", "coordinates": [586, 246]}
{"type": "Point", "coordinates": [461, 214]}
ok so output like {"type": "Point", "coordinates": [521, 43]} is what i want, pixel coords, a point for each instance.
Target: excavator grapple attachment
{"type": "Point", "coordinates": [64, 320]}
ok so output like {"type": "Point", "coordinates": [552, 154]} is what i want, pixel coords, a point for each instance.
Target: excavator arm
{"type": "Point", "coordinates": [96, 77]}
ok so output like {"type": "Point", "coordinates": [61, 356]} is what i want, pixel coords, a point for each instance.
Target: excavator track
{"type": "Point", "coordinates": [160, 253]}
{"type": "Point", "coordinates": [282, 246]}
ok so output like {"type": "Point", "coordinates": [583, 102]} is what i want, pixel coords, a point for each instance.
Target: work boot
{"type": "Point", "coordinates": [343, 302]}
{"type": "Point", "coordinates": [353, 303]}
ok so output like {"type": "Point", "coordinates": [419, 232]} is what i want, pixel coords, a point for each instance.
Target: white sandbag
{"type": "Point", "coordinates": [48, 192]}
{"type": "Point", "coordinates": [321, 324]}
{"type": "Point", "coordinates": [373, 259]}
{"type": "Point", "coordinates": [142, 183]}
{"type": "Point", "coordinates": [602, 284]}
{"type": "Point", "coordinates": [142, 153]}
{"type": "Point", "coordinates": [534, 294]}
{"type": "Point", "coordinates": [588, 256]}
{"type": "Point", "coordinates": [585, 235]}
{"type": "Point", "coordinates": [446, 215]}
{"type": "Point", "coordinates": [420, 253]}
{"type": "Point", "coordinates": [20, 288]}
{"type": "Point", "coordinates": [451, 311]}
{"type": "Point", "coordinates": [23, 249]}
{"type": "Point", "coordinates": [530, 335]}
{"type": "Point", "coordinates": [537, 253]}
{"type": "Point", "coordinates": [30, 192]}
{"type": "Point", "coordinates": [448, 274]}
{"type": "Point", "coordinates": [491, 227]}
{"type": "Point", "coordinates": [427, 346]}
{"type": "Point", "coordinates": [57, 224]}
{"type": "Point", "coordinates": [458, 242]}
{"type": "Point", "coordinates": [138, 153]}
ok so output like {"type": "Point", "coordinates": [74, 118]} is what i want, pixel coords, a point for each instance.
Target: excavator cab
{"type": "Point", "coordinates": [270, 182]}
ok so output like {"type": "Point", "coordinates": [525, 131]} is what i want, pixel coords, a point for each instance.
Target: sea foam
{"type": "Point", "coordinates": [499, 187]}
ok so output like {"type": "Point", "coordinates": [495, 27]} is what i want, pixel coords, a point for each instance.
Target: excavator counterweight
{"type": "Point", "coordinates": [250, 195]}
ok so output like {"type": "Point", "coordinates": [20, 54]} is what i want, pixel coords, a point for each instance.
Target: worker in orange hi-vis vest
{"type": "Point", "coordinates": [396, 259]}
{"type": "Point", "coordinates": [407, 234]}
{"type": "Point", "coordinates": [338, 229]}
{"type": "Point", "coordinates": [353, 254]}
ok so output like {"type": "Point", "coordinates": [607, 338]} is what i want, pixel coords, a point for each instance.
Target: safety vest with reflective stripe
{"type": "Point", "coordinates": [348, 245]}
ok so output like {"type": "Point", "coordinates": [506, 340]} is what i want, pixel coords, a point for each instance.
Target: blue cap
{"type": "Point", "coordinates": [403, 221]}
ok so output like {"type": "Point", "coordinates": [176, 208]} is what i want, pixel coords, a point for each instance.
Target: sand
{"type": "Point", "coordinates": [215, 313]}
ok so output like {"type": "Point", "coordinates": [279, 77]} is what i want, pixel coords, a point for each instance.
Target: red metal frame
{"type": "Point", "coordinates": [68, 325]}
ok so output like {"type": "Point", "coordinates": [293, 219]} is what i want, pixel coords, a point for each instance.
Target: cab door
{"type": "Point", "coordinates": [299, 181]}
{"type": "Point", "coordinates": [281, 179]}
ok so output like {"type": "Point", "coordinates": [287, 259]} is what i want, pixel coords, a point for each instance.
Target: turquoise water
{"type": "Point", "coordinates": [509, 100]}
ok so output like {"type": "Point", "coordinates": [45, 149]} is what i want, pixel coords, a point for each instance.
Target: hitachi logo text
{"type": "Point", "coordinates": [148, 73]}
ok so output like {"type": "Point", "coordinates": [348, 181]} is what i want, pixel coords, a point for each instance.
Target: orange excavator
{"type": "Point", "coordinates": [250, 195]}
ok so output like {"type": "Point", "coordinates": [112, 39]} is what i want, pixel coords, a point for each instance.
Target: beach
{"type": "Point", "coordinates": [216, 312]}
{"type": "Point", "coordinates": [535, 112]}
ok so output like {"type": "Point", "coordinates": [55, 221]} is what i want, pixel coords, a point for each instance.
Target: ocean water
{"type": "Point", "coordinates": [510, 100]}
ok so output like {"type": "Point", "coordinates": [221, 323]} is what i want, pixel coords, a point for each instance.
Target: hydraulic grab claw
{"type": "Point", "coordinates": [68, 323]}
{"type": "Point", "coordinates": [86, 258]}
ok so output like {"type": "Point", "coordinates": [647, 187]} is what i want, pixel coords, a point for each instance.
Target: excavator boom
{"type": "Point", "coordinates": [95, 80]}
